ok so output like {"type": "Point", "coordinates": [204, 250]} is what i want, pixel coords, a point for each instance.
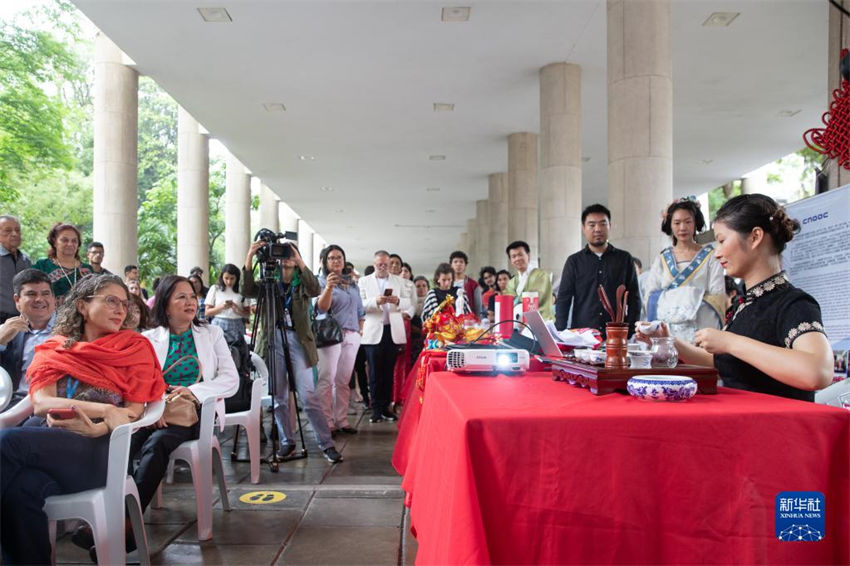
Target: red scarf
{"type": "Point", "coordinates": [123, 362]}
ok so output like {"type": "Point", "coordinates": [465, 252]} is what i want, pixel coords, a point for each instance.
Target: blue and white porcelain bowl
{"type": "Point", "coordinates": [662, 387]}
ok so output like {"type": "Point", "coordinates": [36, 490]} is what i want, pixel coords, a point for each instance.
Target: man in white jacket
{"type": "Point", "coordinates": [384, 300]}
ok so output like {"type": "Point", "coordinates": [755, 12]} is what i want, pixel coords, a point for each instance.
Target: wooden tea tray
{"type": "Point", "coordinates": [601, 380]}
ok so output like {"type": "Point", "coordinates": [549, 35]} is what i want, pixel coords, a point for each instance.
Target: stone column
{"type": "Point", "coordinates": [305, 243]}
{"type": "Point", "coordinates": [193, 195]}
{"type": "Point", "coordinates": [560, 164]}
{"type": "Point", "coordinates": [115, 199]}
{"type": "Point", "coordinates": [523, 193]}
{"type": "Point", "coordinates": [269, 215]}
{"type": "Point", "coordinates": [482, 220]}
{"type": "Point", "coordinates": [640, 122]}
{"type": "Point", "coordinates": [237, 212]}
{"type": "Point", "coordinates": [497, 195]}
{"type": "Point", "coordinates": [839, 36]}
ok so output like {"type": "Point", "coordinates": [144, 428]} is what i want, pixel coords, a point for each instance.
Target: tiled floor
{"type": "Point", "coordinates": [348, 513]}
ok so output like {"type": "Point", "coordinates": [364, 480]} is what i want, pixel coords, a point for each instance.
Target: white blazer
{"type": "Point", "coordinates": [373, 325]}
{"type": "Point", "coordinates": [219, 377]}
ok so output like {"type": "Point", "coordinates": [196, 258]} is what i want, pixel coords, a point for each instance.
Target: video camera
{"type": "Point", "coordinates": [277, 246]}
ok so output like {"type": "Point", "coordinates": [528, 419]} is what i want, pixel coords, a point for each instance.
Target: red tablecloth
{"type": "Point", "coordinates": [526, 470]}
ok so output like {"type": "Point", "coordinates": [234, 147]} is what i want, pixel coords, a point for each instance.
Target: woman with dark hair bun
{"type": "Point", "coordinates": [773, 341]}
{"type": "Point", "coordinates": [685, 286]}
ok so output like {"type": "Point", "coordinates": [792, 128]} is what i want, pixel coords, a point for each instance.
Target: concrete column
{"type": "Point", "coordinates": [288, 220]}
{"type": "Point", "coordinates": [472, 245]}
{"type": "Point", "coordinates": [305, 243]}
{"type": "Point", "coordinates": [319, 244]}
{"type": "Point", "coordinates": [523, 193]}
{"type": "Point", "coordinates": [463, 243]}
{"type": "Point", "coordinates": [193, 195]}
{"type": "Point", "coordinates": [640, 122]}
{"type": "Point", "coordinates": [839, 36]}
{"type": "Point", "coordinates": [560, 164]}
{"type": "Point", "coordinates": [115, 199]}
{"type": "Point", "coordinates": [497, 195]}
{"type": "Point", "coordinates": [269, 215]}
{"type": "Point", "coordinates": [237, 212]}
{"type": "Point", "coordinates": [482, 220]}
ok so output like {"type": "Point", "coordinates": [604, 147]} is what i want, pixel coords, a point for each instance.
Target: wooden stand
{"type": "Point", "coordinates": [601, 380]}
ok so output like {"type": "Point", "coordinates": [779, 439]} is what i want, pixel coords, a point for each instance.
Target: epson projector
{"type": "Point", "coordinates": [491, 361]}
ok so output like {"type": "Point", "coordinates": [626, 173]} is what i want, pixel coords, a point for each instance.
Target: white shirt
{"type": "Point", "coordinates": [216, 296]}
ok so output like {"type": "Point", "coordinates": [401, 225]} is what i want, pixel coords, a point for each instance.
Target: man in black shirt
{"type": "Point", "coordinates": [597, 263]}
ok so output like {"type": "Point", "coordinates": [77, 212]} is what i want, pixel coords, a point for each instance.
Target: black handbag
{"type": "Point", "coordinates": [327, 331]}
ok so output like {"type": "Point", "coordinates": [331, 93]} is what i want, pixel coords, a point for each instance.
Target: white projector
{"type": "Point", "coordinates": [503, 360]}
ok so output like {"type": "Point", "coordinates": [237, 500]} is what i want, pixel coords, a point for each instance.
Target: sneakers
{"type": "Point", "coordinates": [332, 456]}
{"type": "Point", "coordinates": [376, 419]}
{"type": "Point", "coordinates": [390, 416]}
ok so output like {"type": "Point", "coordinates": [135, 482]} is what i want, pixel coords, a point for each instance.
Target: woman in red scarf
{"type": "Point", "coordinates": [105, 375]}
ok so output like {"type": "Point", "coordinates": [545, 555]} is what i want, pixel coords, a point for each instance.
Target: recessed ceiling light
{"type": "Point", "coordinates": [307, 157]}
{"type": "Point", "coordinates": [327, 189]}
{"type": "Point", "coordinates": [433, 189]}
{"type": "Point", "coordinates": [455, 14]}
{"type": "Point", "coordinates": [788, 113]}
{"type": "Point", "coordinates": [274, 107]}
{"type": "Point", "coordinates": [430, 210]}
{"type": "Point", "coordinates": [339, 210]}
{"type": "Point", "coordinates": [720, 19]}
{"type": "Point", "coordinates": [215, 15]}
{"type": "Point", "coordinates": [443, 107]}
{"type": "Point", "coordinates": [707, 161]}
{"type": "Point", "coordinates": [437, 157]}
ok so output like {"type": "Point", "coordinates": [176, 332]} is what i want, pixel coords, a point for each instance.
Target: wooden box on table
{"type": "Point", "coordinates": [601, 380]}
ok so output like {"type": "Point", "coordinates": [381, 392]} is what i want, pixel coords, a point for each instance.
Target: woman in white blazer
{"type": "Point", "coordinates": [184, 347]}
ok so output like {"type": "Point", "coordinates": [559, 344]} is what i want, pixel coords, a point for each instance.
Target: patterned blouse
{"type": "Point", "coordinates": [61, 279]}
{"type": "Point", "coordinates": [184, 373]}
{"type": "Point", "coordinates": [776, 313]}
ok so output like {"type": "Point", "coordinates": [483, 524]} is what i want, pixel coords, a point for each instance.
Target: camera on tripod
{"type": "Point", "coordinates": [277, 246]}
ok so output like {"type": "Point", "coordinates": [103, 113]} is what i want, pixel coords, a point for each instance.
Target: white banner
{"type": "Point", "coordinates": [818, 258]}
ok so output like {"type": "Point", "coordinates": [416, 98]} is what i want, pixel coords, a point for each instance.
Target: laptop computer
{"type": "Point", "coordinates": [544, 338]}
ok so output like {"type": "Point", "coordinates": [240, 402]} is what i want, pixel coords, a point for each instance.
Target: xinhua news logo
{"type": "Point", "coordinates": [800, 516]}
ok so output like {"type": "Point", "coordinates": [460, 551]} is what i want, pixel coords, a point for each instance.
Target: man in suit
{"type": "Point", "coordinates": [19, 335]}
{"type": "Point", "coordinates": [385, 300]}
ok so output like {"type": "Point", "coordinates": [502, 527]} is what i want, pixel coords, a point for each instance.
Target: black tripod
{"type": "Point", "coordinates": [269, 308]}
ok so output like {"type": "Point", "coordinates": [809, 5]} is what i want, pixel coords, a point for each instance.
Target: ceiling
{"type": "Point", "coordinates": [359, 79]}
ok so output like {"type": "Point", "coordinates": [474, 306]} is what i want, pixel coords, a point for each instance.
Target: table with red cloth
{"type": "Point", "coordinates": [526, 470]}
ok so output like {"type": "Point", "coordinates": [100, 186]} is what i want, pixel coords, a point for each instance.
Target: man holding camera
{"type": "Point", "coordinates": [297, 287]}
{"type": "Point", "coordinates": [384, 300]}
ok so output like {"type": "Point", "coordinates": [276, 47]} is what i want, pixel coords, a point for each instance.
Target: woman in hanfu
{"type": "Point", "coordinates": [685, 287]}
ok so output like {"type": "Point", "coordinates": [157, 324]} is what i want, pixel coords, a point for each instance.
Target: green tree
{"type": "Point", "coordinates": [38, 72]}
{"type": "Point", "coordinates": [157, 137]}
{"type": "Point", "coordinates": [158, 231]}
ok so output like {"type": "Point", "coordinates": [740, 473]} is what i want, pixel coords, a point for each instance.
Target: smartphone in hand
{"type": "Point", "coordinates": [62, 414]}
{"type": "Point", "coordinates": [388, 292]}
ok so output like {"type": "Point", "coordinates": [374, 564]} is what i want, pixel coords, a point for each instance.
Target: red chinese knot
{"type": "Point", "coordinates": [834, 140]}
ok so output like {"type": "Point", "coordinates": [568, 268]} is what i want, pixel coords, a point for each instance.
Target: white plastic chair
{"type": "Point", "coordinates": [102, 508]}
{"type": "Point", "coordinates": [251, 419]}
{"type": "Point", "coordinates": [5, 388]}
{"type": "Point", "coordinates": [203, 456]}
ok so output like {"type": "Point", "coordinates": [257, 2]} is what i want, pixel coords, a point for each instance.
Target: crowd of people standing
{"type": "Point", "coordinates": [69, 328]}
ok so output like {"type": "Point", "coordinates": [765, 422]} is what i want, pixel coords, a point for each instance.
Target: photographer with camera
{"type": "Point", "coordinates": [340, 299]}
{"type": "Point", "coordinates": [297, 286]}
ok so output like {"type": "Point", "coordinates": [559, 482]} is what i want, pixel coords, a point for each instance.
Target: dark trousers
{"type": "Point", "coordinates": [38, 462]}
{"type": "Point", "coordinates": [153, 448]}
{"type": "Point", "coordinates": [381, 358]}
{"type": "Point", "coordinates": [361, 375]}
